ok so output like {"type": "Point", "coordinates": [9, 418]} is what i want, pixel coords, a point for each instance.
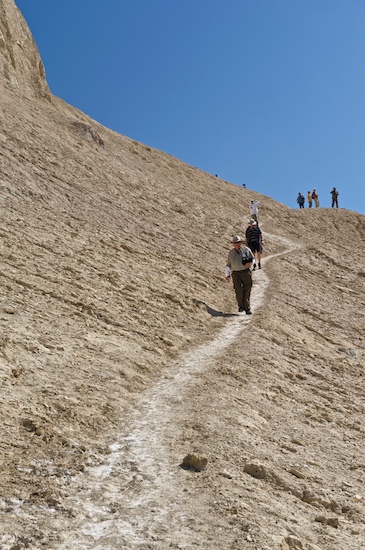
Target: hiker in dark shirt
{"type": "Point", "coordinates": [254, 241]}
{"type": "Point", "coordinates": [334, 194]}
{"type": "Point", "coordinates": [300, 200]}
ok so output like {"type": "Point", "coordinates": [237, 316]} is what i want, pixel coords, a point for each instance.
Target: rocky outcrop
{"type": "Point", "coordinates": [21, 67]}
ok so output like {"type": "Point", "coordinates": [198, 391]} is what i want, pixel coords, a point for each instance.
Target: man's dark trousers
{"type": "Point", "coordinates": [242, 282]}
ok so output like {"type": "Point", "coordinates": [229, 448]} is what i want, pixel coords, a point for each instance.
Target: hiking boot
{"type": "Point", "coordinates": [254, 267]}
{"type": "Point", "coordinates": [248, 312]}
{"type": "Point", "coordinates": [240, 309]}
{"type": "Point", "coordinates": [259, 265]}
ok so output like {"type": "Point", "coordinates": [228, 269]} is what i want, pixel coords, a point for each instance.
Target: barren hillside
{"type": "Point", "coordinates": [121, 350]}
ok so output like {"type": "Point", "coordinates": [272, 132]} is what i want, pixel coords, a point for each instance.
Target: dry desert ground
{"type": "Point", "coordinates": [122, 352]}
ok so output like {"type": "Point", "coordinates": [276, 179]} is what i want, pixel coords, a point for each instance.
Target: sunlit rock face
{"type": "Point", "coordinates": [21, 67]}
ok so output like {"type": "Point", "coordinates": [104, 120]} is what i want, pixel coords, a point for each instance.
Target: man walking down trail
{"type": "Point", "coordinates": [254, 241]}
{"type": "Point", "coordinates": [334, 194]}
{"type": "Point", "coordinates": [238, 267]}
{"type": "Point", "coordinates": [254, 210]}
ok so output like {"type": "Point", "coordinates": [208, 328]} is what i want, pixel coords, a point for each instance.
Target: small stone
{"type": "Point", "coordinates": [332, 521]}
{"type": "Point", "coordinates": [255, 470]}
{"type": "Point", "coordinates": [345, 484]}
{"type": "Point", "coordinates": [297, 442]}
{"type": "Point", "coordinates": [288, 448]}
{"type": "Point", "coordinates": [196, 462]}
{"type": "Point", "coordinates": [29, 425]}
{"type": "Point", "coordinates": [16, 372]}
{"type": "Point", "coordinates": [349, 351]}
{"type": "Point", "coordinates": [167, 342]}
{"type": "Point", "coordinates": [308, 497]}
{"type": "Point", "coordinates": [297, 473]}
{"type": "Point", "coordinates": [226, 474]}
{"type": "Point", "coordinates": [293, 542]}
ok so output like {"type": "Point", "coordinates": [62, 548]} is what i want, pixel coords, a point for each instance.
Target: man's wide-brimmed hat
{"type": "Point", "coordinates": [252, 222]}
{"type": "Point", "coordinates": [236, 239]}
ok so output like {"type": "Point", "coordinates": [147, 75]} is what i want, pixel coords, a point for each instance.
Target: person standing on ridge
{"type": "Point", "coordinates": [309, 199]}
{"type": "Point", "coordinates": [238, 266]}
{"type": "Point", "coordinates": [334, 194]}
{"type": "Point", "coordinates": [315, 197]}
{"type": "Point", "coordinates": [254, 241]}
{"type": "Point", "coordinates": [300, 200]}
{"type": "Point", "coordinates": [254, 210]}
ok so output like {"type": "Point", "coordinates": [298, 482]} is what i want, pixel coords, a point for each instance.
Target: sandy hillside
{"type": "Point", "coordinates": [121, 350]}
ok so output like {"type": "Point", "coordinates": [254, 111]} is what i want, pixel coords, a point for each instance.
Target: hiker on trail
{"type": "Point", "coordinates": [315, 197]}
{"type": "Point", "coordinates": [309, 199]}
{"type": "Point", "coordinates": [254, 210]}
{"type": "Point", "coordinates": [238, 267]}
{"type": "Point", "coordinates": [254, 241]}
{"type": "Point", "coordinates": [300, 200]}
{"type": "Point", "coordinates": [334, 194]}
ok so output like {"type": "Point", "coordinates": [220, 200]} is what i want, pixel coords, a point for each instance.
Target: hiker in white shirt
{"type": "Point", "coordinates": [254, 209]}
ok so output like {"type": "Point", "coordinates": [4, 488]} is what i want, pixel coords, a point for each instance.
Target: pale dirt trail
{"type": "Point", "coordinates": [136, 493]}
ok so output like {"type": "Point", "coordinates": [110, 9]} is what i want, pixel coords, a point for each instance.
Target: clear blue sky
{"type": "Point", "coordinates": [270, 93]}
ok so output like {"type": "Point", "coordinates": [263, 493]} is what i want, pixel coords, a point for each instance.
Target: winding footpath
{"type": "Point", "coordinates": [123, 498]}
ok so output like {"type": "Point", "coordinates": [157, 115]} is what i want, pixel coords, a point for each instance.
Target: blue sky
{"type": "Point", "coordinates": [270, 93]}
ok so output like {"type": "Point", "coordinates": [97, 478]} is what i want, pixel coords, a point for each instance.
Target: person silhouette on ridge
{"type": "Point", "coordinates": [334, 194]}
{"type": "Point", "coordinates": [300, 200]}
